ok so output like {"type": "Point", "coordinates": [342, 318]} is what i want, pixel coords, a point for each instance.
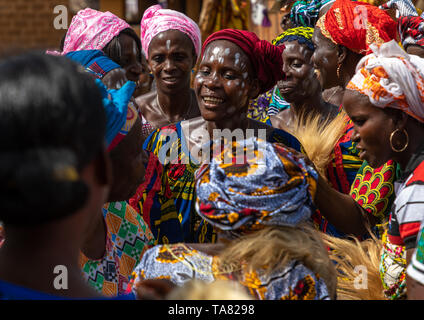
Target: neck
{"type": "Point", "coordinates": [240, 122]}
{"type": "Point", "coordinates": [312, 105]}
{"type": "Point", "coordinates": [176, 105]}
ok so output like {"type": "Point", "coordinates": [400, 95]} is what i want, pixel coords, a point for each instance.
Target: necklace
{"type": "Point", "coordinates": [165, 116]}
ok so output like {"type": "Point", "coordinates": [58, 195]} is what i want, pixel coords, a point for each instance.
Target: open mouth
{"type": "Point", "coordinates": [212, 101]}
{"type": "Point", "coordinates": [171, 80]}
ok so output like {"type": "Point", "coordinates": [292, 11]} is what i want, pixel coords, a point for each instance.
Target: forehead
{"type": "Point", "coordinates": [227, 50]}
{"type": "Point", "coordinates": [356, 103]}
{"type": "Point", "coordinates": [294, 48]}
{"type": "Point", "coordinates": [171, 38]}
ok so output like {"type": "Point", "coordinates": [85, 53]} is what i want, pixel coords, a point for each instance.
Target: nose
{"type": "Point", "coordinates": [169, 66]}
{"type": "Point", "coordinates": [212, 81]}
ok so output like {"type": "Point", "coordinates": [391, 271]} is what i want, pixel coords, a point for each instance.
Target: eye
{"type": "Point", "coordinates": [359, 121]}
{"type": "Point", "coordinates": [229, 76]}
{"type": "Point", "coordinates": [158, 58]}
{"type": "Point", "coordinates": [179, 57]}
{"type": "Point", "coordinates": [204, 71]}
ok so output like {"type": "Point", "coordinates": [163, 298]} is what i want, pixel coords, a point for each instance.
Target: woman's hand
{"type": "Point", "coordinates": [153, 289]}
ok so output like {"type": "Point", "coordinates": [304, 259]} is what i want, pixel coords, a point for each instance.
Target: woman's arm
{"type": "Point", "coordinates": [342, 210]}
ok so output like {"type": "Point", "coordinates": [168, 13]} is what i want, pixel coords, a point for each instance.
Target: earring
{"type": "Point", "coordinates": [391, 141]}
{"type": "Point", "coordinates": [338, 70]}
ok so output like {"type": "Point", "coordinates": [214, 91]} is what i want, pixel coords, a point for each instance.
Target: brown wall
{"type": "Point", "coordinates": [28, 24]}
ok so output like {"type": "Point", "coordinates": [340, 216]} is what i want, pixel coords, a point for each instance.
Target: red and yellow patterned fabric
{"type": "Point", "coordinates": [391, 78]}
{"type": "Point", "coordinates": [356, 25]}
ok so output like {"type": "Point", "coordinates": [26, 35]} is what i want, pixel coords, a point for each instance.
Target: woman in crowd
{"type": "Point", "coordinates": [384, 100]}
{"type": "Point", "coordinates": [171, 42]}
{"type": "Point", "coordinates": [235, 67]}
{"type": "Point", "coordinates": [157, 199]}
{"type": "Point", "coordinates": [54, 184]}
{"type": "Point", "coordinates": [341, 38]}
{"type": "Point", "coordinates": [95, 30]}
{"type": "Point", "coordinates": [117, 239]}
{"type": "Point", "coordinates": [261, 209]}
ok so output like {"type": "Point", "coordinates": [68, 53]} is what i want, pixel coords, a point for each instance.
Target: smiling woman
{"type": "Point", "coordinates": [171, 43]}
{"type": "Point", "coordinates": [235, 66]}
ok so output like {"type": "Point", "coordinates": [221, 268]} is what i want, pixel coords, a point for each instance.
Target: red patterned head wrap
{"type": "Point", "coordinates": [356, 25]}
{"type": "Point", "coordinates": [266, 58]}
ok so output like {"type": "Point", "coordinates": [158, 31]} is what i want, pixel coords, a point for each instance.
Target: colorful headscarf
{"type": "Point", "coordinates": [305, 12]}
{"type": "Point", "coordinates": [156, 20]}
{"type": "Point", "coordinates": [356, 25]}
{"type": "Point", "coordinates": [266, 59]}
{"type": "Point", "coordinates": [411, 30]}
{"type": "Point", "coordinates": [301, 34]}
{"type": "Point", "coordinates": [274, 187]}
{"type": "Point", "coordinates": [391, 78]}
{"type": "Point", "coordinates": [121, 115]}
{"type": "Point", "coordinates": [92, 30]}
{"type": "Point", "coordinates": [95, 61]}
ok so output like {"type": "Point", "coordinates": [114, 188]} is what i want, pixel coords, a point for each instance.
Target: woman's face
{"type": "Point", "coordinates": [171, 59]}
{"type": "Point", "coordinates": [223, 84]}
{"type": "Point", "coordinates": [128, 165]}
{"type": "Point", "coordinates": [325, 60]}
{"type": "Point", "coordinates": [300, 82]}
{"type": "Point", "coordinates": [372, 128]}
{"type": "Point", "coordinates": [130, 57]}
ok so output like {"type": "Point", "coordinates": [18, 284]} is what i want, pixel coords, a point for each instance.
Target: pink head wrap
{"type": "Point", "coordinates": [92, 30]}
{"type": "Point", "coordinates": [156, 20]}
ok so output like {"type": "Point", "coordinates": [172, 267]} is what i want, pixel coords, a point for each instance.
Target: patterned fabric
{"type": "Point", "coordinates": [266, 59]}
{"type": "Point", "coordinates": [180, 167]}
{"type": "Point", "coordinates": [153, 200]}
{"type": "Point", "coordinates": [128, 237]}
{"type": "Point", "coordinates": [416, 268]}
{"type": "Point", "coordinates": [305, 12]}
{"type": "Point", "coordinates": [405, 219]}
{"type": "Point", "coordinates": [253, 184]}
{"type": "Point", "coordinates": [373, 190]}
{"type": "Point", "coordinates": [301, 34]}
{"type": "Point", "coordinates": [131, 118]}
{"type": "Point", "coordinates": [278, 103]}
{"type": "Point", "coordinates": [391, 78]}
{"type": "Point", "coordinates": [411, 31]}
{"type": "Point", "coordinates": [258, 108]}
{"type": "Point", "coordinates": [357, 25]}
{"type": "Point", "coordinates": [95, 61]}
{"type": "Point", "coordinates": [156, 20]}
{"type": "Point", "coordinates": [92, 30]}
{"type": "Point", "coordinates": [392, 270]}
{"type": "Point", "coordinates": [120, 113]}
{"type": "Point", "coordinates": [405, 7]}
{"type": "Point", "coordinates": [180, 263]}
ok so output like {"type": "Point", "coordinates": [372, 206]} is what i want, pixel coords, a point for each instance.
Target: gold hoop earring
{"type": "Point", "coordinates": [391, 141]}
{"type": "Point", "coordinates": [338, 70]}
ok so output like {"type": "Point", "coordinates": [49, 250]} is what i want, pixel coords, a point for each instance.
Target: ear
{"type": "Point", "coordinates": [254, 89]}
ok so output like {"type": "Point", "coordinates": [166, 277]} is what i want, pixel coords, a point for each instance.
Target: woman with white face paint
{"type": "Point", "coordinates": [171, 43]}
{"type": "Point", "coordinates": [235, 67]}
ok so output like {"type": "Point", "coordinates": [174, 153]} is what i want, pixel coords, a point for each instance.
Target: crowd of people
{"type": "Point", "coordinates": [164, 166]}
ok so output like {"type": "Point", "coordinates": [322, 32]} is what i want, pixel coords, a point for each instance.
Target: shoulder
{"type": "Point", "coordinates": [145, 101]}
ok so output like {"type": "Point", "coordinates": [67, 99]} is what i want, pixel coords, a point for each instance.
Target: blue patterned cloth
{"type": "Point", "coordinates": [256, 184]}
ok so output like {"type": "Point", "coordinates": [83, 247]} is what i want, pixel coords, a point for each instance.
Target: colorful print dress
{"type": "Point", "coordinates": [180, 263]}
{"type": "Point", "coordinates": [170, 145]}
{"type": "Point", "coordinates": [127, 238]}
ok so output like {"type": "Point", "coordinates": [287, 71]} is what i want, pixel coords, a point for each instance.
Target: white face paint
{"type": "Point", "coordinates": [243, 85]}
{"type": "Point", "coordinates": [168, 44]}
{"type": "Point", "coordinates": [245, 75]}
{"type": "Point", "coordinates": [227, 51]}
{"type": "Point", "coordinates": [237, 61]}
